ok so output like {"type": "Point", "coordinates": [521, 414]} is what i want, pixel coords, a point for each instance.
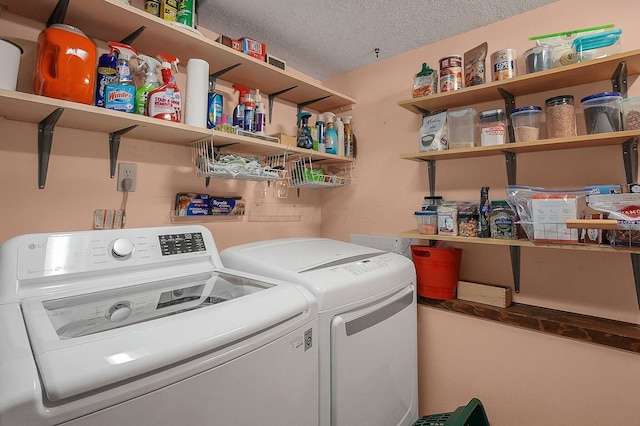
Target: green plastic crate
{"type": "Point", "coordinates": [472, 414]}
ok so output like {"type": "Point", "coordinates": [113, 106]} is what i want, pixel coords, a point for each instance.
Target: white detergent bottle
{"type": "Point", "coordinates": [339, 125]}
{"type": "Point", "coordinates": [330, 135]}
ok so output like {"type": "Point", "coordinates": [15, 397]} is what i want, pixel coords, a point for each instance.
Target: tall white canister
{"type": "Point", "coordinates": [11, 53]}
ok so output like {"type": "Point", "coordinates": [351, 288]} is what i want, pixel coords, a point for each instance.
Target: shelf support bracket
{"type": "Point", "coordinates": [509, 106]}
{"type": "Point", "coordinates": [510, 158]}
{"type": "Point", "coordinates": [630, 159]}
{"type": "Point", "coordinates": [635, 265]}
{"type": "Point", "coordinates": [134, 35]}
{"type": "Point", "coordinates": [313, 101]}
{"type": "Point", "coordinates": [422, 111]}
{"type": "Point", "coordinates": [45, 139]}
{"type": "Point", "coordinates": [619, 79]}
{"type": "Point", "coordinates": [431, 171]}
{"type": "Point", "coordinates": [272, 98]}
{"type": "Point", "coordinates": [213, 77]}
{"type": "Point", "coordinates": [114, 146]}
{"type": "Point", "coordinates": [515, 266]}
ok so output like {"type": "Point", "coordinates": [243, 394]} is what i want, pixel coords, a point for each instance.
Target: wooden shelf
{"type": "Point", "coordinates": [584, 141]}
{"type": "Point", "coordinates": [520, 243]}
{"type": "Point", "coordinates": [161, 36]}
{"type": "Point", "coordinates": [553, 79]}
{"type": "Point", "coordinates": [615, 334]}
{"type": "Point", "coordinates": [33, 108]}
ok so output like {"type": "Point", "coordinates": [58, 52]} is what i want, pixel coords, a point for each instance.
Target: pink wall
{"type": "Point", "coordinates": [522, 377]}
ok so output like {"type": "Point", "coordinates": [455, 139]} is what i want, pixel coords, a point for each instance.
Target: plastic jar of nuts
{"type": "Point", "coordinates": [561, 117]}
{"type": "Point", "coordinates": [631, 113]}
{"type": "Point", "coordinates": [468, 219]}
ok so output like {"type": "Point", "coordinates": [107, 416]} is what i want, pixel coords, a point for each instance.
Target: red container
{"type": "Point", "coordinates": [437, 270]}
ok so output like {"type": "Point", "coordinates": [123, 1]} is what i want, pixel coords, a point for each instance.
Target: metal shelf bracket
{"type": "Point", "coordinates": [635, 265]}
{"type": "Point", "coordinates": [213, 77]}
{"type": "Point", "coordinates": [630, 159]}
{"type": "Point", "coordinates": [431, 171]}
{"type": "Point", "coordinates": [45, 139]}
{"type": "Point", "coordinates": [510, 158]}
{"type": "Point", "coordinates": [619, 79]}
{"type": "Point", "coordinates": [272, 98]}
{"type": "Point", "coordinates": [509, 106]}
{"type": "Point", "coordinates": [515, 267]}
{"type": "Point", "coordinates": [304, 104]}
{"type": "Point", "coordinates": [114, 146]}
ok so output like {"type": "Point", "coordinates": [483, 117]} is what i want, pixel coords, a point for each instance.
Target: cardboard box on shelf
{"type": "Point", "coordinates": [253, 48]}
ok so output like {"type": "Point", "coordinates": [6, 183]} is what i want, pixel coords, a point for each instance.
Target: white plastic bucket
{"type": "Point", "coordinates": [10, 54]}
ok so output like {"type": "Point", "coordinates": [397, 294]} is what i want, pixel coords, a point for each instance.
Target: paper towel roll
{"type": "Point", "coordinates": [195, 110]}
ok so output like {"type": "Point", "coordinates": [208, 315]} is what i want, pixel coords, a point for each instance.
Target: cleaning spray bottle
{"type": "Point", "coordinates": [249, 113]}
{"type": "Point", "coordinates": [260, 117]}
{"type": "Point", "coordinates": [304, 134]}
{"type": "Point", "coordinates": [330, 135]}
{"type": "Point", "coordinates": [238, 111]}
{"type": "Point", "coordinates": [319, 144]}
{"type": "Point", "coordinates": [339, 126]}
{"type": "Point", "coordinates": [121, 94]}
{"type": "Point", "coordinates": [215, 103]}
{"type": "Point", "coordinates": [150, 67]}
{"type": "Point", "coordinates": [107, 74]}
{"type": "Point", "coordinates": [165, 102]}
{"type": "Point", "coordinates": [348, 142]}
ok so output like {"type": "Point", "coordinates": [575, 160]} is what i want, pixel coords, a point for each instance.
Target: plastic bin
{"type": "Point", "coordinates": [462, 128]}
{"type": "Point", "coordinates": [472, 414]}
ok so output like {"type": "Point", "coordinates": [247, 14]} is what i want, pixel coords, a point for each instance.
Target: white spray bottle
{"type": "Point", "coordinates": [339, 125]}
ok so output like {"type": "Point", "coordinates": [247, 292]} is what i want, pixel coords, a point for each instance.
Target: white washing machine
{"type": "Point", "coordinates": [146, 327]}
{"type": "Point", "coordinates": [367, 323]}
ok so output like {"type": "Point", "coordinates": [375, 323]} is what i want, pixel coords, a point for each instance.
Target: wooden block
{"type": "Point", "coordinates": [483, 293]}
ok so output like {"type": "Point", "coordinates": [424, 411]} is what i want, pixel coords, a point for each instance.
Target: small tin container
{"type": "Point", "coordinates": [451, 73]}
{"type": "Point", "coordinates": [503, 64]}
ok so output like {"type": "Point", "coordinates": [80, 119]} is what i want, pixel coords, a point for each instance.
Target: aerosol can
{"type": "Point", "coordinates": [304, 139]}
{"type": "Point", "coordinates": [165, 102]}
{"type": "Point", "coordinates": [121, 94]}
{"type": "Point", "coordinates": [149, 66]}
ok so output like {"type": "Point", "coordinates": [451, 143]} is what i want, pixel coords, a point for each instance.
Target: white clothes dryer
{"type": "Point", "coordinates": [367, 323]}
{"type": "Point", "coordinates": [146, 327]}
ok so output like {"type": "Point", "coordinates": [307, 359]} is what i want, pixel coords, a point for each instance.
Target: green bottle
{"type": "Point", "coordinates": [150, 66]}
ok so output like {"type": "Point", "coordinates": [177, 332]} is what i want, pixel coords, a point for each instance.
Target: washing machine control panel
{"type": "Point", "coordinates": [42, 255]}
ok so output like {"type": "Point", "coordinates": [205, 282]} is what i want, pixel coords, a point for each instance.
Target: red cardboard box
{"type": "Point", "coordinates": [236, 44]}
{"type": "Point", "coordinates": [254, 48]}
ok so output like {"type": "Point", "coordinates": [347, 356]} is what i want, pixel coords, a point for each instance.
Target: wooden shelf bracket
{"type": "Point", "coordinates": [45, 139]}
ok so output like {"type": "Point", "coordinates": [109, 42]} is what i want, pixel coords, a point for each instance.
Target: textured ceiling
{"type": "Point", "coordinates": [325, 38]}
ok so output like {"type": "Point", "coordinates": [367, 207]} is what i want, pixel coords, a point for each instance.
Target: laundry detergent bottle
{"type": "Point", "coordinates": [150, 67]}
{"type": "Point", "coordinates": [165, 102]}
{"type": "Point", "coordinates": [121, 95]}
{"type": "Point", "coordinates": [330, 135]}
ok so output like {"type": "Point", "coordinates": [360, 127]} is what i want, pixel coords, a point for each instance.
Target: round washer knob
{"type": "Point", "coordinates": [122, 247]}
{"type": "Point", "coordinates": [119, 311]}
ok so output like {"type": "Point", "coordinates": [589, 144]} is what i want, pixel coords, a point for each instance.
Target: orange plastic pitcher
{"type": "Point", "coordinates": [65, 64]}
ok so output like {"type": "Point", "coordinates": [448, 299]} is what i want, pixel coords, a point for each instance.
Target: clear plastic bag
{"type": "Point", "coordinates": [543, 212]}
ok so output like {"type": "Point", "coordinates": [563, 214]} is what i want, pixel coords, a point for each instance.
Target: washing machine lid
{"type": "Point", "coordinates": [336, 272]}
{"type": "Point", "coordinates": [89, 341]}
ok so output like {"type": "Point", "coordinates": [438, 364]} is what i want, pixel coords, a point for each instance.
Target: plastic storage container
{"type": "Point", "coordinates": [526, 123]}
{"type": "Point", "coordinates": [561, 117]}
{"type": "Point", "coordinates": [602, 112]}
{"type": "Point", "coordinates": [596, 45]}
{"type": "Point", "coordinates": [538, 58]}
{"type": "Point", "coordinates": [462, 128]}
{"type": "Point", "coordinates": [427, 221]}
{"type": "Point", "coordinates": [493, 127]}
{"type": "Point", "coordinates": [631, 113]}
